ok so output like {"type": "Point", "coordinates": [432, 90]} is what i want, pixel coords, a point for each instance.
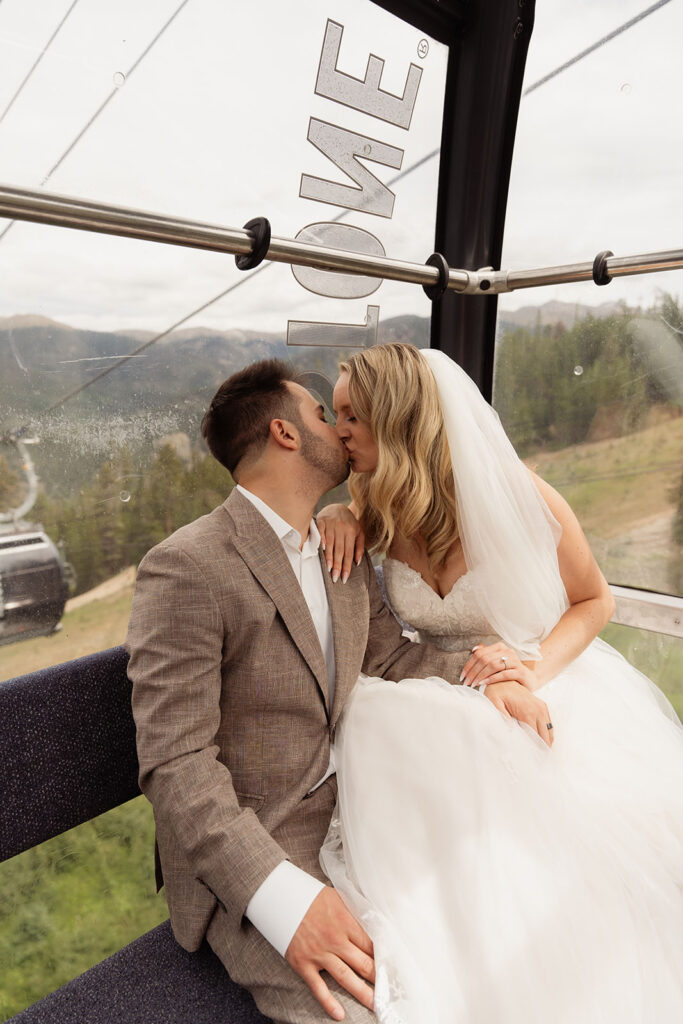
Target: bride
{"type": "Point", "coordinates": [503, 880]}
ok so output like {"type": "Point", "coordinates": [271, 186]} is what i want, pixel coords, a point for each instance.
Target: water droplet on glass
{"type": "Point", "coordinates": [367, 149]}
{"type": "Point", "coordinates": [119, 79]}
{"type": "Point", "coordinates": [626, 88]}
{"type": "Point", "coordinates": [578, 370]}
{"type": "Point", "coordinates": [124, 496]}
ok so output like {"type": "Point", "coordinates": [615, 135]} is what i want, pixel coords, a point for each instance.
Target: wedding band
{"type": "Point", "coordinates": [549, 725]}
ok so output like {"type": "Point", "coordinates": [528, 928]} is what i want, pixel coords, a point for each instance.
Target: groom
{"type": "Point", "coordinates": [242, 653]}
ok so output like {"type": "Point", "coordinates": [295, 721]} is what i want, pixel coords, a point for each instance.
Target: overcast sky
{"type": "Point", "coordinates": [212, 125]}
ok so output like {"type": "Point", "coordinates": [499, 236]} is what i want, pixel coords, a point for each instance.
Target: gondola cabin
{"type": "Point", "coordinates": [33, 585]}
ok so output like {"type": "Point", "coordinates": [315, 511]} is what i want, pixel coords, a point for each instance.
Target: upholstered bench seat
{"type": "Point", "coordinates": [68, 754]}
{"type": "Point", "coordinates": [151, 981]}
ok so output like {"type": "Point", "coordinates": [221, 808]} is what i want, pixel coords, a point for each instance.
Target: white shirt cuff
{"type": "Point", "coordinates": [279, 905]}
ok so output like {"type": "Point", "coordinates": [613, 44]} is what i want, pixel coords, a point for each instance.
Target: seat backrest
{"type": "Point", "coordinates": [67, 739]}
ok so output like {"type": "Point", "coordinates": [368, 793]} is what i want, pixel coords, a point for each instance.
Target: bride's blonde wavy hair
{"type": "Point", "coordinates": [392, 390]}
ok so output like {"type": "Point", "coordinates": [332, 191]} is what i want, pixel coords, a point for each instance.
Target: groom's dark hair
{"type": "Point", "coordinates": [238, 419]}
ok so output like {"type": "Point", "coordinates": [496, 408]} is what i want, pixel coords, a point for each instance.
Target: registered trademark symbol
{"type": "Point", "coordinates": [422, 48]}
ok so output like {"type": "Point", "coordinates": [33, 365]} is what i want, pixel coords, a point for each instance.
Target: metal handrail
{"type": "Point", "coordinates": [643, 609]}
{"type": "Point", "coordinates": [67, 211]}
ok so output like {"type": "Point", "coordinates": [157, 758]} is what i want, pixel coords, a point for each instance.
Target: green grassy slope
{"type": "Point", "coordinates": [92, 627]}
{"type": "Point", "coordinates": [619, 482]}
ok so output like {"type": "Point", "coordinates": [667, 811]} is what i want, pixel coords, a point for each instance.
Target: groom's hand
{"type": "Point", "coordinates": [330, 939]}
{"type": "Point", "coordinates": [515, 701]}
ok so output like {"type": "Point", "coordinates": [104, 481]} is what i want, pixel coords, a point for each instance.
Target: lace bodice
{"type": "Point", "coordinates": [454, 622]}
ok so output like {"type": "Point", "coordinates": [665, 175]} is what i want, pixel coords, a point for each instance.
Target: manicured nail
{"type": "Point", "coordinates": [329, 566]}
{"type": "Point", "coordinates": [335, 576]}
{"type": "Point", "coordinates": [461, 678]}
{"type": "Point", "coordinates": [359, 560]}
{"type": "Point", "coordinates": [322, 543]}
{"type": "Point", "coordinates": [345, 577]}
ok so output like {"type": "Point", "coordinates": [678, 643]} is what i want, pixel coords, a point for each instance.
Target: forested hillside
{"type": "Point", "coordinates": [112, 521]}
{"type": "Point", "coordinates": [595, 406]}
{"type": "Point", "coordinates": [556, 387]}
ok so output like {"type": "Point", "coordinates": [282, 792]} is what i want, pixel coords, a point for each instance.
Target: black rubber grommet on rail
{"type": "Point", "coordinates": [600, 273]}
{"type": "Point", "coordinates": [259, 229]}
{"type": "Point", "coordinates": [435, 291]}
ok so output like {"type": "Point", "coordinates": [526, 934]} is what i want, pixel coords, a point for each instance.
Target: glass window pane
{"type": "Point", "coordinates": [588, 381]}
{"type": "Point", "coordinates": [143, 109]}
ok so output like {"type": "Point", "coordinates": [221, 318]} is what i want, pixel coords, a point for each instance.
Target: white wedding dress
{"type": "Point", "coordinates": [501, 881]}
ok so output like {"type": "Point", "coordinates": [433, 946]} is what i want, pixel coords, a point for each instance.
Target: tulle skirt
{"type": "Point", "coordinates": [503, 882]}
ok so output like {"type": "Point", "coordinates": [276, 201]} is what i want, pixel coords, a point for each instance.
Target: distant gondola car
{"type": "Point", "coordinates": [33, 585]}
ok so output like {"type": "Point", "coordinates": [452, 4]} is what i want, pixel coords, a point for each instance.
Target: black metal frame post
{"type": "Point", "coordinates": [488, 42]}
{"type": "Point", "coordinates": [483, 91]}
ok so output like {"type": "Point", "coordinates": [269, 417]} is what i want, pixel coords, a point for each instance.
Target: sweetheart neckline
{"type": "Point", "coordinates": [397, 561]}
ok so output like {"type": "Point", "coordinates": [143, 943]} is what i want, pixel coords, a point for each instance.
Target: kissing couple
{"type": "Point", "coordinates": [480, 827]}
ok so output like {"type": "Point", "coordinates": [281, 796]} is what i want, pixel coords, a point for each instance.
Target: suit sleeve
{"type": "Point", "coordinates": [392, 656]}
{"type": "Point", "coordinates": [175, 640]}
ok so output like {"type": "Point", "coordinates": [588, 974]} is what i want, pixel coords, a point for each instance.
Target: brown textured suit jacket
{"type": "Point", "coordinates": [231, 705]}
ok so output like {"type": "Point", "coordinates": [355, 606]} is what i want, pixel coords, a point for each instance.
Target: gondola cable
{"type": "Point", "coordinates": [595, 46]}
{"type": "Point", "coordinates": [72, 145]}
{"type": "Point", "coordinates": [36, 63]}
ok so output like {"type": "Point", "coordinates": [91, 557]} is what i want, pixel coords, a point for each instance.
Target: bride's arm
{"type": "Point", "coordinates": [591, 607]}
{"type": "Point", "coordinates": [342, 538]}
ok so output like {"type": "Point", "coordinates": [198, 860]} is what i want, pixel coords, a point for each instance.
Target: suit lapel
{"type": "Point", "coordinates": [263, 553]}
{"type": "Point", "coordinates": [350, 634]}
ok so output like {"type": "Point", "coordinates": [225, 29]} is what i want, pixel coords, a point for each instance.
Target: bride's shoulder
{"type": "Point", "coordinates": [569, 533]}
{"type": "Point", "coordinates": [559, 507]}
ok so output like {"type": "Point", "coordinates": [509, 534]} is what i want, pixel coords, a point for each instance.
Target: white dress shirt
{"type": "Point", "coordinates": [280, 903]}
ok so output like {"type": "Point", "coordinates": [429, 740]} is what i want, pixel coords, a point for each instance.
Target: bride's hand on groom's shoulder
{"type": "Point", "coordinates": [330, 939]}
{"type": "Point", "coordinates": [342, 539]}
{"type": "Point", "coordinates": [514, 701]}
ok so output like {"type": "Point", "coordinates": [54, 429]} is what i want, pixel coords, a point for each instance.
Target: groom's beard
{"type": "Point", "coordinates": [329, 460]}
